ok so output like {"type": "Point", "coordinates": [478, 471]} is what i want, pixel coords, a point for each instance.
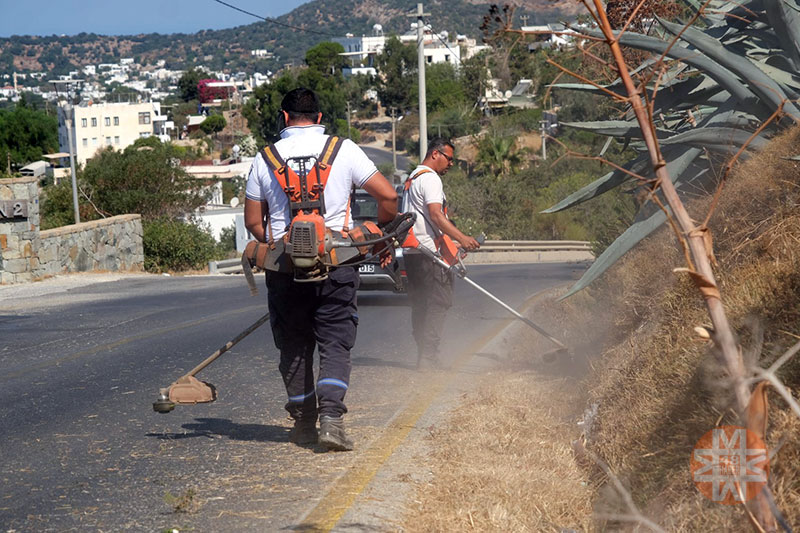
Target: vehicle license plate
{"type": "Point", "coordinates": [367, 269]}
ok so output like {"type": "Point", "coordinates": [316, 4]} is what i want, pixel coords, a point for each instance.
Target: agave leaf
{"type": "Point", "coordinates": [622, 245]}
{"type": "Point", "coordinates": [716, 139]}
{"type": "Point", "coordinates": [765, 87]}
{"type": "Point", "coordinates": [625, 242]}
{"type": "Point", "coordinates": [615, 128]}
{"type": "Point", "coordinates": [711, 68]}
{"type": "Point", "coordinates": [601, 185]}
{"type": "Point", "coordinates": [585, 87]}
{"type": "Point", "coordinates": [785, 23]}
{"type": "Point", "coordinates": [700, 88]}
{"type": "Point", "coordinates": [793, 158]}
{"type": "Point", "coordinates": [679, 161]}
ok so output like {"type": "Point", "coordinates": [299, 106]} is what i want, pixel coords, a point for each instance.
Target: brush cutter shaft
{"type": "Point", "coordinates": [463, 275]}
{"type": "Point", "coordinates": [210, 359]}
{"type": "Point", "coordinates": [513, 312]}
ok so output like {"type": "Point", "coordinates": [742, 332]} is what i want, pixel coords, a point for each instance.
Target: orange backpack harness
{"type": "Point", "coordinates": [445, 245]}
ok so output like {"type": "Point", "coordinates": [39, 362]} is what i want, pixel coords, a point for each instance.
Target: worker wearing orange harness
{"type": "Point", "coordinates": [312, 309]}
{"type": "Point", "coordinates": [430, 287]}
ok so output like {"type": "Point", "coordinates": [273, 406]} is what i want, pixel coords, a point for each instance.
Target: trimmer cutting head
{"type": "Point", "coordinates": [188, 390]}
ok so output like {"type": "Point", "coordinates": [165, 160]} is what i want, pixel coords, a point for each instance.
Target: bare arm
{"type": "Point", "coordinates": [255, 218]}
{"type": "Point", "coordinates": [379, 188]}
{"type": "Point", "coordinates": [450, 229]}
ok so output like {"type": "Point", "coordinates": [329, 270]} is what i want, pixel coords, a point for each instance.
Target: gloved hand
{"type": "Point", "coordinates": [386, 252]}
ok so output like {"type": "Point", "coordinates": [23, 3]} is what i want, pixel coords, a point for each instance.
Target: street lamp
{"type": "Point", "coordinates": [68, 120]}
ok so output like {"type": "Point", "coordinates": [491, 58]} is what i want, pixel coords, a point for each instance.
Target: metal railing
{"type": "Point", "coordinates": [489, 248]}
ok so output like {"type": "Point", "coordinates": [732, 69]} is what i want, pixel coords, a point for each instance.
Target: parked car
{"type": "Point", "coordinates": [373, 276]}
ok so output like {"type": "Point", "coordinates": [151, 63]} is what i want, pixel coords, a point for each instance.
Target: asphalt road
{"type": "Point", "coordinates": [381, 157]}
{"type": "Point", "coordinates": [83, 450]}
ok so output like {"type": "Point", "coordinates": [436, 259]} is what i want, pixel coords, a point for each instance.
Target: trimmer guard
{"type": "Point", "coordinates": [189, 390]}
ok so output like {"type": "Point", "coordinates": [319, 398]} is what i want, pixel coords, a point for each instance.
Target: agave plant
{"type": "Point", "coordinates": [724, 77]}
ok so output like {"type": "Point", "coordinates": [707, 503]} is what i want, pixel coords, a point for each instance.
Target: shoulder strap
{"type": "Point", "coordinates": [273, 159]}
{"type": "Point", "coordinates": [330, 151]}
{"type": "Point", "coordinates": [407, 184]}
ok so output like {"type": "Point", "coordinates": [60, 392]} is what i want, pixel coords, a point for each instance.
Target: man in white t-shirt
{"type": "Point", "coordinates": [321, 314]}
{"type": "Point", "coordinates": [430, 287]}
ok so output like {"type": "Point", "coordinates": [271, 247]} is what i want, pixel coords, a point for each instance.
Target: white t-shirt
{"type": "Point", "coordinates": [425, 189]}
{"type": "Point", "coordinates": [351, 168]}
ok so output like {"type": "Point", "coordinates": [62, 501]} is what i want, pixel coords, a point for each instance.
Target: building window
{"type": "Point", "coordinates": [94, 141]}
{"type": "Point", "coordinates": [94, 122]}
{"type": "Point", "coordinates": [447, 57]}
{"type": "Point", "coordinates": [83, 123]}
{"type": "Point", "coordinates": [108, 141]}
{"type": "Point", "coordinates": [85, 141]}
{"type": "Point", "coordinates": [116, 139]}
{"type": "Point", "coordinates": [108, 121]}
{"type": "Point", "coordinates": [145, 134]}
{"type": "Point", "coordinates": [116, 121]}
{"type": "Point", "coordinates": [144, 118]}
{"type": "Point", "coordinates": [429, 58]}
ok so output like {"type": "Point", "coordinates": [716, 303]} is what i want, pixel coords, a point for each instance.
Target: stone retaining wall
{"type": "Point", "coordinates": [113, 243]}
{"type": "Point", "coordinates": [27, 254]}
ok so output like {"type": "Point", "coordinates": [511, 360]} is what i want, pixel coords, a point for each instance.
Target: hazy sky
{"type": "Point", "coordinates": [127, 17]}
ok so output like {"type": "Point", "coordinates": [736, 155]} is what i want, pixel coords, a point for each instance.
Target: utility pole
{"type": "Point", "coordinates": [394, 146]}
{"type": "Point", "coordinates": [68, 122]}
{"type": "Point", "coordinates": [348, 118]}
{"type": "Point", "coordinates": [423, 109]}
{"type": "Point", "coordinates": [544, 140]}
{"type": "Point", "coordinates": [524, 19]}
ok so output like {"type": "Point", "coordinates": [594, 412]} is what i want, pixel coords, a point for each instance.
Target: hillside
{"type": "Point", "coordinates": [230, 48]}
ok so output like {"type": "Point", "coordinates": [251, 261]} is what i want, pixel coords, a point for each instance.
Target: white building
{"type": "Point", "coordinates": [362, 50]}
{"type": "Point", "coordinates": [110, 124]}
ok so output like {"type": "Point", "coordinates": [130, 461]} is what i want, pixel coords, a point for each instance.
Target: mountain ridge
{"type": "Point", "coordinates": [230, 48]}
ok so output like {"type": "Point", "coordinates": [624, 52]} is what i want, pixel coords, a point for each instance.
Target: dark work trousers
{"type": "Point", "coordinates": [430, 288]}
{"type": "Point", "coordinates": [304, 316]}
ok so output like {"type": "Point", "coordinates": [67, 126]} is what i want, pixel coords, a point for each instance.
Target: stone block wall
{"type": "Point", "coordinates": [27, 254]}
{"type": "Point", "coordinates": [113, 243]}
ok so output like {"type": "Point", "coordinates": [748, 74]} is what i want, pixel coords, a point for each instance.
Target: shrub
{"type": "Point", "coordinates": [174, 245]}
{"type": "Point", "coordinates": [226, 247]}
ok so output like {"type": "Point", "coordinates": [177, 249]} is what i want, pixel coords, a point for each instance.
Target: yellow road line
{"type": "Point", "coordinates": [126, 340]}
{"type": "Point", "coordinates": [351, 484]}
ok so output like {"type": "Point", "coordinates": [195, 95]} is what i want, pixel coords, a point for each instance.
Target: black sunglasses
{"type": "Point", "coordinates": [449, 159]}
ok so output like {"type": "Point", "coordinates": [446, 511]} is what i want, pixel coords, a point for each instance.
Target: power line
{"type": "Point", "coordinates": [273, 21]}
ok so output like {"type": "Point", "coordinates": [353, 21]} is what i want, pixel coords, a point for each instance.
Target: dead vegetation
{"type": "Point", "coordinates": [657, 387]}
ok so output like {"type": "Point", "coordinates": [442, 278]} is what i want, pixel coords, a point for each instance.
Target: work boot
{"type": "Point", "coordinates": [304, 432]}
{"type": "Point", "coordinates": [332, 435]}
{"type": "Point", "coordinates": [429, 363]}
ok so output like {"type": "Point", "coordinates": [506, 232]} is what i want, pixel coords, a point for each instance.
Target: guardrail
{"type": "Point", "coordinates": [490, 252]}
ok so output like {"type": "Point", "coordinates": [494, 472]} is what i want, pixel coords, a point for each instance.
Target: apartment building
{"type": "Point", "coordinates": [109, 124]}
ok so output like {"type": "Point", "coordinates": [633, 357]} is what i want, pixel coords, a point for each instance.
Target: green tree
{"type": "Point", "coordinates": [262, 110]}
{"type": "Point", "coordinates": [187, 84]}
{"type": "Point", "coordinates": [145, 178]}
{"type": "Point", "coordinates": [26, 134]}
{"type": "Point", "coordinates": [213, 124]}
{"type": "Point", "coordinates": [398, 67]}
{"type": "Point", "coordinates": [326, 59]}
{"type": "Point", "coordinates": [443, 87]}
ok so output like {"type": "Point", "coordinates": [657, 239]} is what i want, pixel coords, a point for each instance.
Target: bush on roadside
{"type": "Point", "coordinates": [174, 245]}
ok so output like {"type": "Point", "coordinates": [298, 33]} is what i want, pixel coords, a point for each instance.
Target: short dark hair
{"type": "Point", "coordinates": [438, 144]}
{"type": "Point", "coordinates": [301, 103]}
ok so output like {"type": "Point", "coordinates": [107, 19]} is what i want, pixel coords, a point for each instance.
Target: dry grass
{"type": "Point", "coordinates": [658, 388]}
{"type": "Point", "coordinates": [504, 463]}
